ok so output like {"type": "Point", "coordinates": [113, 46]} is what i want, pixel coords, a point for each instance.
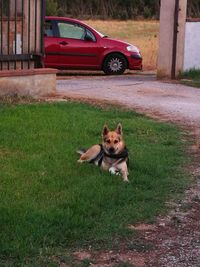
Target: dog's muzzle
{"type": "Point", "coordinates": [111, 150]}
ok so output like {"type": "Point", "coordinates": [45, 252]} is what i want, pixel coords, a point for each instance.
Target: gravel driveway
{"type": "Point", "coordinates": [141, 92]}
{"type": "Point", "coordinates": [176, 237]}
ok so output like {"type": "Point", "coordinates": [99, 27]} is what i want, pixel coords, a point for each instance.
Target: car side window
{"type": "Point", "coordinates": [91, 35]}
{"type": "Point", "coordinates": [48, 29]}
{"type": "Point", "coordinates": [69, 30]}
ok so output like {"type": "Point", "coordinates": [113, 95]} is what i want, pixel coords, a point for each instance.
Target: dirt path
{"type": "Point", "coordinates": [174, 239]}
{"type": "Point", "coordinates": [143, 93]}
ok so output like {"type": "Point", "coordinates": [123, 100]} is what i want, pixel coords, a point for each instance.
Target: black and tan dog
{"type": "Point", "coordinates": [111, 155]}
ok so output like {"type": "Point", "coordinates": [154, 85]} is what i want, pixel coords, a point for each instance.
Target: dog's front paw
{"type": "Point", "coordinates": [80, 161]}
{"type": "Point", "coordinates": [114, 170]}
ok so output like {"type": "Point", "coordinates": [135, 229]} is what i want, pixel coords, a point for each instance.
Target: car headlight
{"type": "Point", "coordinates": [132, 48]}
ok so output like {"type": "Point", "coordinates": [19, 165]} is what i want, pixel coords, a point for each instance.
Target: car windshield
{"type": "Point", "coordinates": [101, 34]}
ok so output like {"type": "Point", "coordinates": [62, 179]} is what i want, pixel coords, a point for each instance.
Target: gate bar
{"type": "Point", "coordinates": [15, 31]}
{"type": "Point", "coordinates": [8, 31]}
{"type": "Point", "coordinates": [1, 32]}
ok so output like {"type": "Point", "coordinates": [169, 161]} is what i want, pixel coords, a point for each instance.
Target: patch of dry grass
{"type": "Point", "coordinates": [143, 34]}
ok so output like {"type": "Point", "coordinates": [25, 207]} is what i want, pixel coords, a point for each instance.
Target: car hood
{"type": "Point", "coordinates": [115, 42]}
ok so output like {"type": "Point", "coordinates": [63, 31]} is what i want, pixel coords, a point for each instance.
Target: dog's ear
{"type": "Point", "coordinates": [105, 130]}
{"type": "Point", "coordinates": [118, 130]}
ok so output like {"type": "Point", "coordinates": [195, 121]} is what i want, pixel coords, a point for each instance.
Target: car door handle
{"type": "Point", "coordinates": [63, 43]}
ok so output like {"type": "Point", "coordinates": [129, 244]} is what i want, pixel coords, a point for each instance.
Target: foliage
{"type": "Point", "coordinates": [193, 8]}
{"type": "Point", "coordinates": [113, 9]}
{"type": "Point", "coordinates": [52, 8]}
{"type": "Point", "coordinates": [191, 77]}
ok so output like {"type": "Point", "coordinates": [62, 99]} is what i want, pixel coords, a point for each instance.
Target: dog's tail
{"type": "Point", "coordinates": [81, 151]}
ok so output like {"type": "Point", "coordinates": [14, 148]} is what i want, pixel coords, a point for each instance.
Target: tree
{"type": "Point", "coordinates": [51, 7]}
{"type": "Point", "coordinates": [193, 8]}
{"type": "Point", "coordinates": [113, 9]}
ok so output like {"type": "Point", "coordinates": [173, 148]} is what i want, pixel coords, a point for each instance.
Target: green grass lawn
{"type": "Point", "coordinates": [50, 203]}
{"type": "Point", "coordinates": [191, 78]}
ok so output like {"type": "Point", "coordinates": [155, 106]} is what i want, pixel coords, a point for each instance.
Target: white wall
{"type": "Point", "coordinates": [192, 46]}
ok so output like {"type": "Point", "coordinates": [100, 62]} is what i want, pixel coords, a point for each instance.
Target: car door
{"type": "Point", "coordinates": [51, 44]}
{"type": "Point", "coordinates": [78, 46]}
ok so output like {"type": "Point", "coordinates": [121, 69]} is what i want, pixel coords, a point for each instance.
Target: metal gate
{"type": "Point", "coordinates": [21, 34]}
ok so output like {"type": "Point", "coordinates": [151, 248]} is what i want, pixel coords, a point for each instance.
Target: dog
{"type": "Point", "coordinates": [111, 154]}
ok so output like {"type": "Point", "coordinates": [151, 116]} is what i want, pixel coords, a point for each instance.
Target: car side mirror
{"type": "Point", "coordinates": [88, 38]}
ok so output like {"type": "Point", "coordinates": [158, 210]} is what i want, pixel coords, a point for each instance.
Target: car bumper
{"type": "Point", "coordinates": [135, 62]}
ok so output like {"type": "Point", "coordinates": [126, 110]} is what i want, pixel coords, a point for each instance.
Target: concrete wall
{"type": "Point", "coordinates": [166, 37]}
{"type": "Point", "coordinates": [181, 35]}
{"type": "Point", "coordinates": [32, 82]}
{"type": "Point", "coordinates": [192, 46]}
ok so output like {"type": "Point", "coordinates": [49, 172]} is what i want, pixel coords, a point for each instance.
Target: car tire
{"type": "Point", "coordinates": [114, 64]}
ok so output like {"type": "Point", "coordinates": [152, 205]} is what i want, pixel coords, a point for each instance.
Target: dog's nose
{"type": "Point", "coordinates": [111, 150]}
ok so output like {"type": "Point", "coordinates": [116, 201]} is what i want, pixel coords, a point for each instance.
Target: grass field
{"type": "Point", "coordinates": [144, 34]}
{"type": "Point", "coordinates": [191, 78]}
{"type": "Point", "coordinates": [50, 204]}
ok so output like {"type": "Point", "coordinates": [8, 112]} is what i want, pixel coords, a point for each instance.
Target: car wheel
{"type": "Point", "coordinates": [114, 64]}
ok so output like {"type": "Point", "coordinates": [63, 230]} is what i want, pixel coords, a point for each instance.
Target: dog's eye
{"type": "Point", "coordinates": [116, 141]}
{"type": "Point", "coordinates": [108, 141]}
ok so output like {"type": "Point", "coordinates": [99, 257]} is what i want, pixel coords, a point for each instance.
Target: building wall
{"type": "Point", "coordinates": [192, 46]}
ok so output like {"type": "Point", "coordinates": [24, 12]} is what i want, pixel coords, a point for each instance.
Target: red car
{"type": "Point", "coordinates": [71, 44]}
